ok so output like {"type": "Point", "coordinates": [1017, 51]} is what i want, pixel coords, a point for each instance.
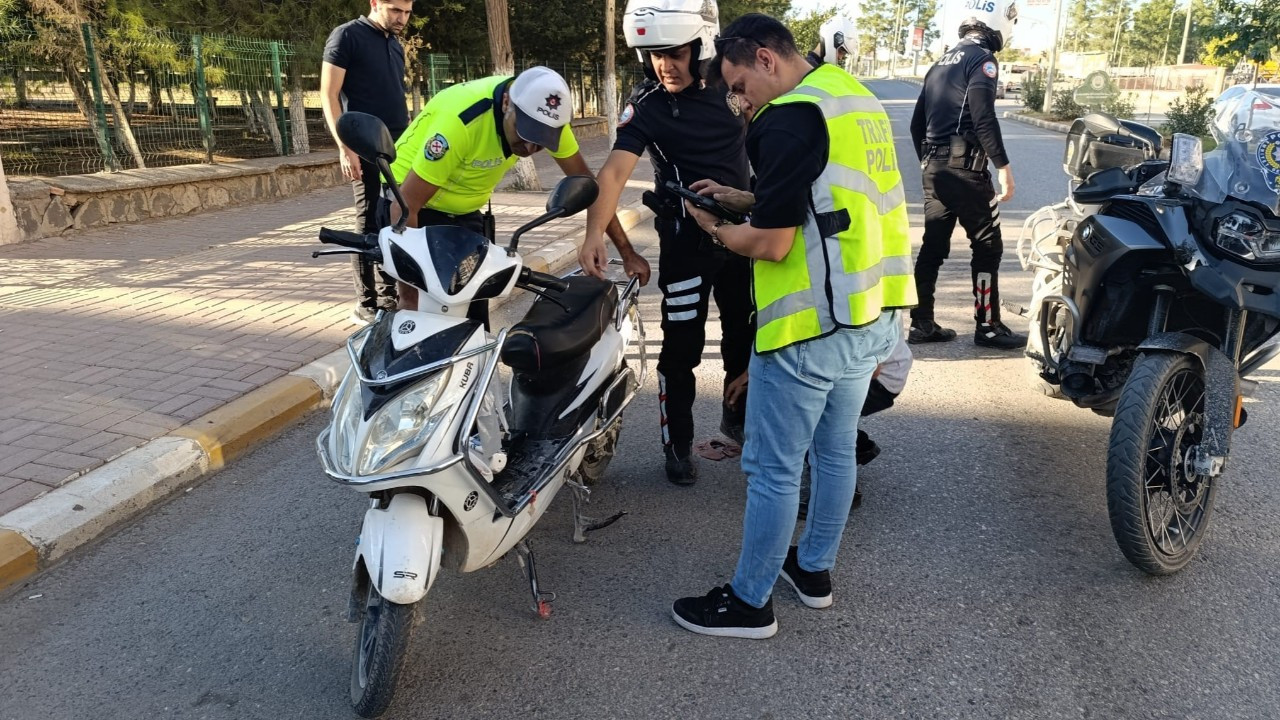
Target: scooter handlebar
{"type": "Point", "coordinates": [542, 280]}
{"type": "Point", "coordinates": [356, 244]}
{"type": "Point", "coordinates": [355, 241]}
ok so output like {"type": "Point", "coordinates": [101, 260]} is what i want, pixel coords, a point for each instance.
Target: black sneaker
{"type": "Point", "coordinates": [998, 335]}
{"type": "Point", "coordinates": [928, 331]}
{"type": "Point", "coordinates": [722, 614]}
{"type": "Point", "coordinates": [680, 467]}
{"type": "Point", "coordinates": [814, 588]}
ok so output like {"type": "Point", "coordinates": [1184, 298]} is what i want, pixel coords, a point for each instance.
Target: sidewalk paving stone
{"type": "Point", "coordinates": [116, 337]}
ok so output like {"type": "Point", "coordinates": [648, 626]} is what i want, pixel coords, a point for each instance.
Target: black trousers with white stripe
{"type": "Point", "coordinates": [952, 194]}
{"type": "Point", "coordinates": [691, 270]}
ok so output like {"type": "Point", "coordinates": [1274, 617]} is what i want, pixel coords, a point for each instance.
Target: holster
{"type": "Point", "coordinates": [673, 222]}
{"type": "Point", "coordinates": [490, 224]}
{"type": "Point", "coordinates": [966, 155]}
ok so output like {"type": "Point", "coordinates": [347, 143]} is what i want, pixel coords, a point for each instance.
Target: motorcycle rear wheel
{"type": "Point", "coordinates": [381, 645]}
{"type": "Point", "coordinates": [1159, 508]}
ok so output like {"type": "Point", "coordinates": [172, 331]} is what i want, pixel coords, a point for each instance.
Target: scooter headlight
{"type": "Point", "coordinates": [1244, 236]}
{"type": "Point", "coordinates": [401, 426]}
{"type": "Point", "coordinates": [346, 425]}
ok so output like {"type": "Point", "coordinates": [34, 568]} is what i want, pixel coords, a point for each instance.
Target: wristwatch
{"type": "Point", "coordinates": [715, 231]}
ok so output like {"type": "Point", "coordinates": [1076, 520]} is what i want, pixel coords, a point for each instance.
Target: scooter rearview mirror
{"type": "Point", "coordinates": [572, 195]}
{"type": "Point", "coordinates": [367, 136]}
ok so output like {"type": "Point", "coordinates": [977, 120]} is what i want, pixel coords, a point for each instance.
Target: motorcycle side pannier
{"type": "Point", "coordinates": [1087, 152]}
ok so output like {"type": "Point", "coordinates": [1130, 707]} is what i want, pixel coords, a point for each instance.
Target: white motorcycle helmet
{"type": "Point", "coordinates": [836, 34]}
{"type": "Point", "coordinates": [993, 18]}
{"type": "Point", "coordinates": [663, 24]}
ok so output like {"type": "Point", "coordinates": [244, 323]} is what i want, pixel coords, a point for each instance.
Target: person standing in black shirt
{"type": "Point", "coordinates": [692, 132]}
{"type": "Point", "coordinates": [955, 132]}
{"type": "Point", "coordinates": [363, 71]}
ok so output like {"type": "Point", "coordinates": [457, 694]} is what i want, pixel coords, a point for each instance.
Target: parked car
{"type": "Point", "coordinates": [1265, 106]}
{"type": "Point", "coordinates": [1001, 88]}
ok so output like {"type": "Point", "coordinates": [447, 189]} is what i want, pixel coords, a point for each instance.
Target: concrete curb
{"type": "Point", "coordinates": [1058, 127]}
{"type": "Point", "coordinates": [39, 533]}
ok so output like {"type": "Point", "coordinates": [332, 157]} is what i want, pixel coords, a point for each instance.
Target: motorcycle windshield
{"type": "Point", "coordinates": [1246, 163]}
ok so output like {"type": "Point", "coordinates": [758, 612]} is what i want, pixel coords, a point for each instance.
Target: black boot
{"type": "Point", "coordinates": [680, 467]}
{"type": "Point", "coordinates": [990, 332]}
{"type": "Point", "coordinates": [997, 335]}
{"type": "Point", "coordinates": [928, 331]}
{"type": "Point", "coordinates": [867, 450]}
{"type": "Point", "coordinates": [731, 423]}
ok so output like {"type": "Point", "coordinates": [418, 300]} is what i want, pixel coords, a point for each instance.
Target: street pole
{"type": "Point", "coordinates": [8, 223]}
{"type": "Point", "coordinates": [1186, 33]}
{"type": "Point", "coordinates": [1053, 57]}
{"type": "Point", "coordinates": [893, 41]}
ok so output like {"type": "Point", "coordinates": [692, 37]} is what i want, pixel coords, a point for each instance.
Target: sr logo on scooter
{"type": "Point", "coordinates": [404, 575]}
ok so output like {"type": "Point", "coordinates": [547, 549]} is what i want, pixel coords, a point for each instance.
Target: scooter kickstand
{"type": "Point", "coordinates": [541, 600]}
{"type": "Point", "coordinates": [583, 524]}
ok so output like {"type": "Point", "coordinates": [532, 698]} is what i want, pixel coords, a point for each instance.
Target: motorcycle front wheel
{"type": "Point", "coordinates": [381, 645]}
{"type": "Point", "coordinates": [1159, 507]}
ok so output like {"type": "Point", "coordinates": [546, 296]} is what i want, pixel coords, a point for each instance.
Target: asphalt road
{"type": "Point", "coordinates": [978, 580]}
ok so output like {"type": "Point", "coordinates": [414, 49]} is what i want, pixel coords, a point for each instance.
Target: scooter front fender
{"type": "Point", "coordinates": [401, 547]}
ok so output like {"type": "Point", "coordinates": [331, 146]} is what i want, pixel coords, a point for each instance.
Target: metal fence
{"type": "Point", "coordinates": [76, 99]}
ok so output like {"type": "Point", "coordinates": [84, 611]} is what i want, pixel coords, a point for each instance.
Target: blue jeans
{"type": "Point", "coordinates": [806, 397]}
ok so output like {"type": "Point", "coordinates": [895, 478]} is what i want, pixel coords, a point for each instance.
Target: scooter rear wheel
{"type": "Point", "coordinates": [381, 645]}
{"type": "Point", "coordinates": [1159, 507]}
{"type": "Point", "coordinates": [599, 453]}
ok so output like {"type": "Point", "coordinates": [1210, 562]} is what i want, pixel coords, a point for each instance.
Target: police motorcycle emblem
{"type": "Point", "coordinates": [1269, 159]}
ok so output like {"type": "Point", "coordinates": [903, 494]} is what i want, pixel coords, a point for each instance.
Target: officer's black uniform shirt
{"type": "Point", "coordinates": [691, 135]}
{"type": "Point", "coordinates": [959, 98]}
{"type": "Point", "coordinates": [374, 61]}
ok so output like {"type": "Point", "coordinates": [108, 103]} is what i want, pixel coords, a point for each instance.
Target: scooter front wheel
{"type": "Point", "coordinates": [381, 645]}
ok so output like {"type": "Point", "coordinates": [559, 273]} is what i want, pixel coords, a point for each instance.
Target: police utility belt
{"type": "Point", "coordinates": [670, 208]}
{"type": "Point", "coordinates": [959, 153]}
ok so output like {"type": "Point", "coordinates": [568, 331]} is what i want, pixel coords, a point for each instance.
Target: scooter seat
{"type": "Point", "coordinates": [549, 336]}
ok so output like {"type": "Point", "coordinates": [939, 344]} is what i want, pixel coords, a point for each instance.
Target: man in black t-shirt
{"type": "Point", "coordinates": [828, 236]}
{"type": "Point", "coordinates": [363, 71]}
{"type": "Point", "coordinates": [692, 132]}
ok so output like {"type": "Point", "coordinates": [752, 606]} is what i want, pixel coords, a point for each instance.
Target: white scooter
{"type": "Point", "coordinates": [458, 471]}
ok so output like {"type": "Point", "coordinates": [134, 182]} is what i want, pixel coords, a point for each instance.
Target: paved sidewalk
{"type": "Point", "coordinates": [114, 338]}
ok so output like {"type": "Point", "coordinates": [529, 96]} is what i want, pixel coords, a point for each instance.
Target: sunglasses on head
{"type": "Point", "coordinates": [722, 42]}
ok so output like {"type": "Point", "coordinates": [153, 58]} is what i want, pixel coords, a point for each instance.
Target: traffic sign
{"type": "Point", "coordinates": [1095, 90]}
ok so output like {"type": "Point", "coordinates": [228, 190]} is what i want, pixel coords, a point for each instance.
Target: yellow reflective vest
{"type": "Point", "coordinates": [456, 144]}
{"type": "Point", "coordinates": [851, 260]}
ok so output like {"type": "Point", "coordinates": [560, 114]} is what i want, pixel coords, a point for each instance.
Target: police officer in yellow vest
{"type": "Point", "coordinates": [832, 266]}
{"type": "Point", "coordinates": [456, 151]}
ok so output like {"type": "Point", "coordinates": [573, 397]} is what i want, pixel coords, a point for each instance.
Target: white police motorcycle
{"type": "Point", "coordinates": [457, 469]}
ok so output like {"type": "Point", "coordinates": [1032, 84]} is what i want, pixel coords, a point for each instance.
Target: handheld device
{"type": "Point", "coordinates": [707, 203]}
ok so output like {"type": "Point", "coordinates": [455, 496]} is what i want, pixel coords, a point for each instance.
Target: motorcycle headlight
{"type": "Point", "coordinates": [402, 425]}
{"type": "Point", "coordinates": [1244, 235]}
